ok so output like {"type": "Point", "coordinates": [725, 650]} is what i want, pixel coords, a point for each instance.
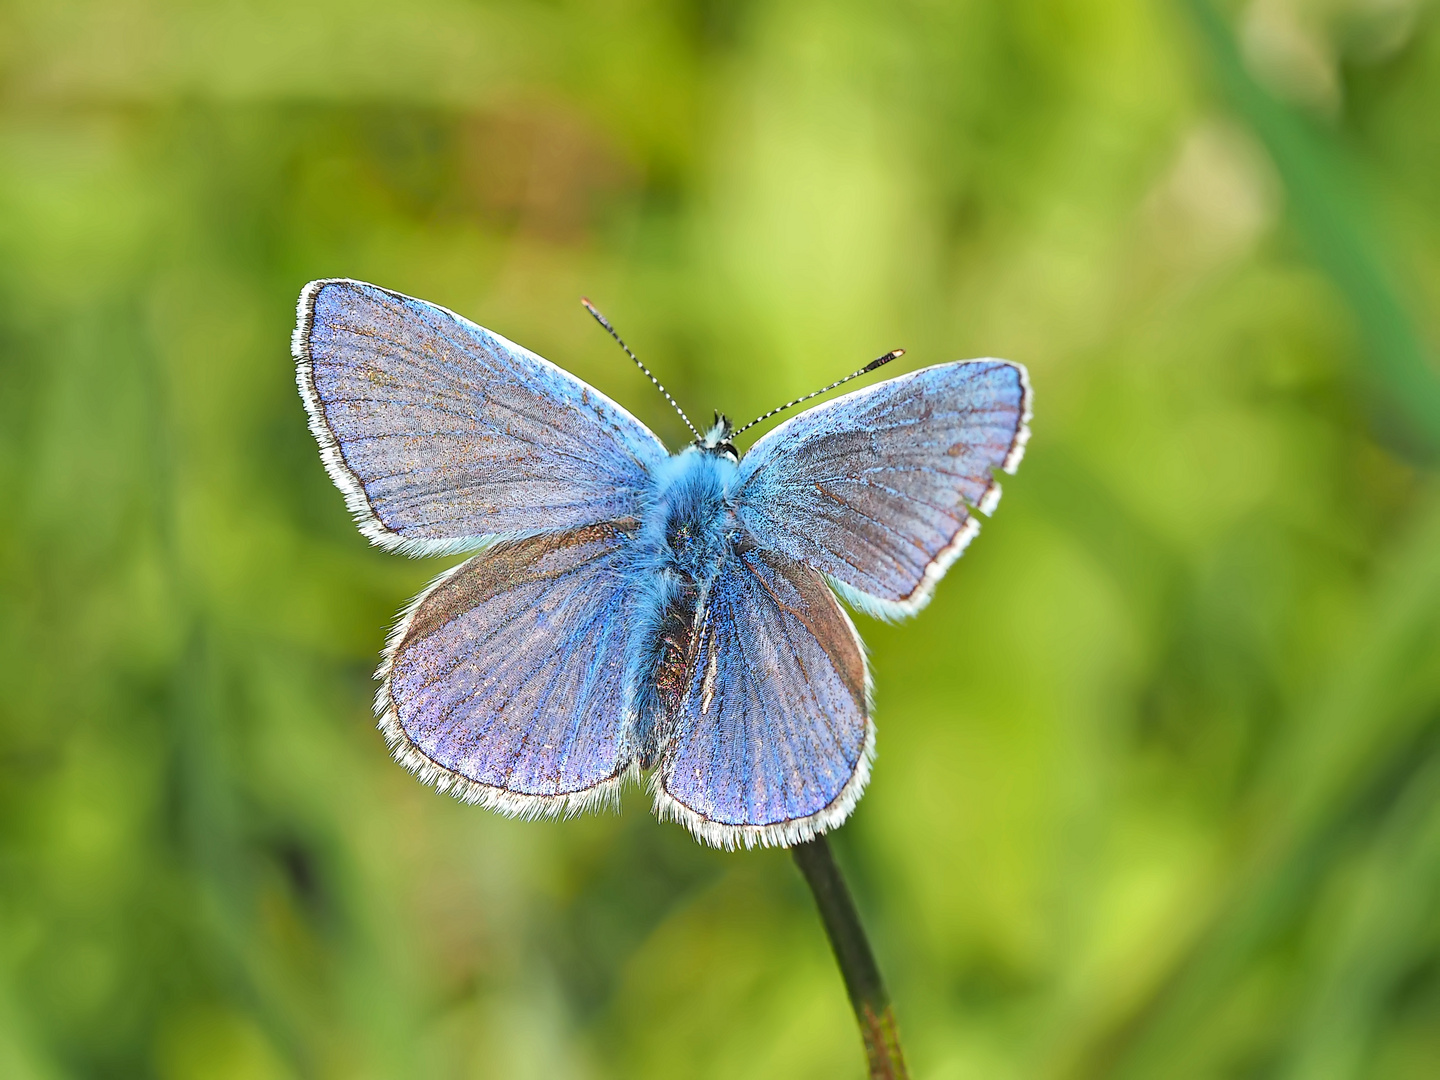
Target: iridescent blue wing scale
{"type": "Point", "coordinates": [445, 437]}
{"type": "Point", "coordinates": [772, 742]}
{"type": "Point", "coordinates": [502, 682]}
{"type": "Point", "coordinates": [878, 489]}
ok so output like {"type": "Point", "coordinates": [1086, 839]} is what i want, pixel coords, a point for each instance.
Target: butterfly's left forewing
{"type": "Point", "coordinates": [772, 741]}
{"type": "Point", "coordinates": [444, 436]}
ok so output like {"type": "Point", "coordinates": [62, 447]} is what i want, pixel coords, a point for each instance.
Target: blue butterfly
{"type": "Point", "coordinates": [629, 609]}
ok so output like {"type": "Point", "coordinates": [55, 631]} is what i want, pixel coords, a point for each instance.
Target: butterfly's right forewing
{"type": "Point", "coordinates": [444, 436]}
{"type": "Point", "coordinates": [878, 489]}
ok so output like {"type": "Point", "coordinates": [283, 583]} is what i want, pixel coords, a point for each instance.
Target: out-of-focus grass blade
{"type": "Point", "coordinates": [1359, 740]}
{"type": "Point", "coordinates": [1375, 944]}
{"type": "Point", "coordinates": [1329, 212]}
{"type": "Point", "coordinates": [20, 1058]}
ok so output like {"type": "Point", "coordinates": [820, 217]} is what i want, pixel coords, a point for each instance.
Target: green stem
{"type": "Point", "coordinates": [857, 962]}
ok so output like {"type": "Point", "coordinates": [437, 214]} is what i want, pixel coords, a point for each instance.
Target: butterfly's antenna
{"type": "Point", "coordinates": [606, 324]}
{"type": "Point", "coordinates": [878, 362]}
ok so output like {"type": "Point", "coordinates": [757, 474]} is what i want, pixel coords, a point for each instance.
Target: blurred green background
{"type": "Point", "coordinates": [1158, 788]}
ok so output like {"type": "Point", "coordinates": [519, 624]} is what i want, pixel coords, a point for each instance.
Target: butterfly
{"type": "Point", "coordinates": [629, 610]}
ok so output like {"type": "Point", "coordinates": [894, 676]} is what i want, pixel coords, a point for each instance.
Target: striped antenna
{"type": "Point", "coordinates": [878, 362]}
{"type": "Point", "coordinates": [606, 324]}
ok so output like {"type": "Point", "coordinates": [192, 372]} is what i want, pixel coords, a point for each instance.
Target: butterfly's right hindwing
{"type": "Point", "coordinates": [444, 436]}
{"type": "Point", "coordinates": [771, 743]}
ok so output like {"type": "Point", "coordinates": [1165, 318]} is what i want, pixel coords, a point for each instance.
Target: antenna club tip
{"type": "Point", "coordinates": [881, 361]}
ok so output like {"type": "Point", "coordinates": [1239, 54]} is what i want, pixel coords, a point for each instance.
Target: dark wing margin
{"type": "Point", "coordinates": [501, 682]}
{"type": "Point", "coordinates": [773, 742]}
{"type": "Point", "coordinates": [444, 437]}
{"type": "Point", "coordinates": [879, 489]}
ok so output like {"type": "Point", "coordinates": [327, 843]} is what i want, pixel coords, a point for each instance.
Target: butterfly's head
{"type": "Point", "coordinates": [717, 439]}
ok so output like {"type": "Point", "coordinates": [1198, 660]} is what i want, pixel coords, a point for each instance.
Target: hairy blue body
{"type": "Point", "coordinates": [688, 529]}
{"type": "Point", "coordinates": [690, 521]}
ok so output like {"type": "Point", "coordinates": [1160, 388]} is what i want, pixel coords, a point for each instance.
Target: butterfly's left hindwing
{"type": "Point", "coordinates": [502, 684]}
{"type": "Point", "coordinates": [772, 741]}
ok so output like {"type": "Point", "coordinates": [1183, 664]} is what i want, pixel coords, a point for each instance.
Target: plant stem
{"type": "Point", "coordinates": [857, 962]}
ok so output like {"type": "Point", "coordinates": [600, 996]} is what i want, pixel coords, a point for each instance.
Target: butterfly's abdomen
{"type": "Point", "coordinates": [668, 652]}
{"type": "Point", "coordinates": [675, 648]}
